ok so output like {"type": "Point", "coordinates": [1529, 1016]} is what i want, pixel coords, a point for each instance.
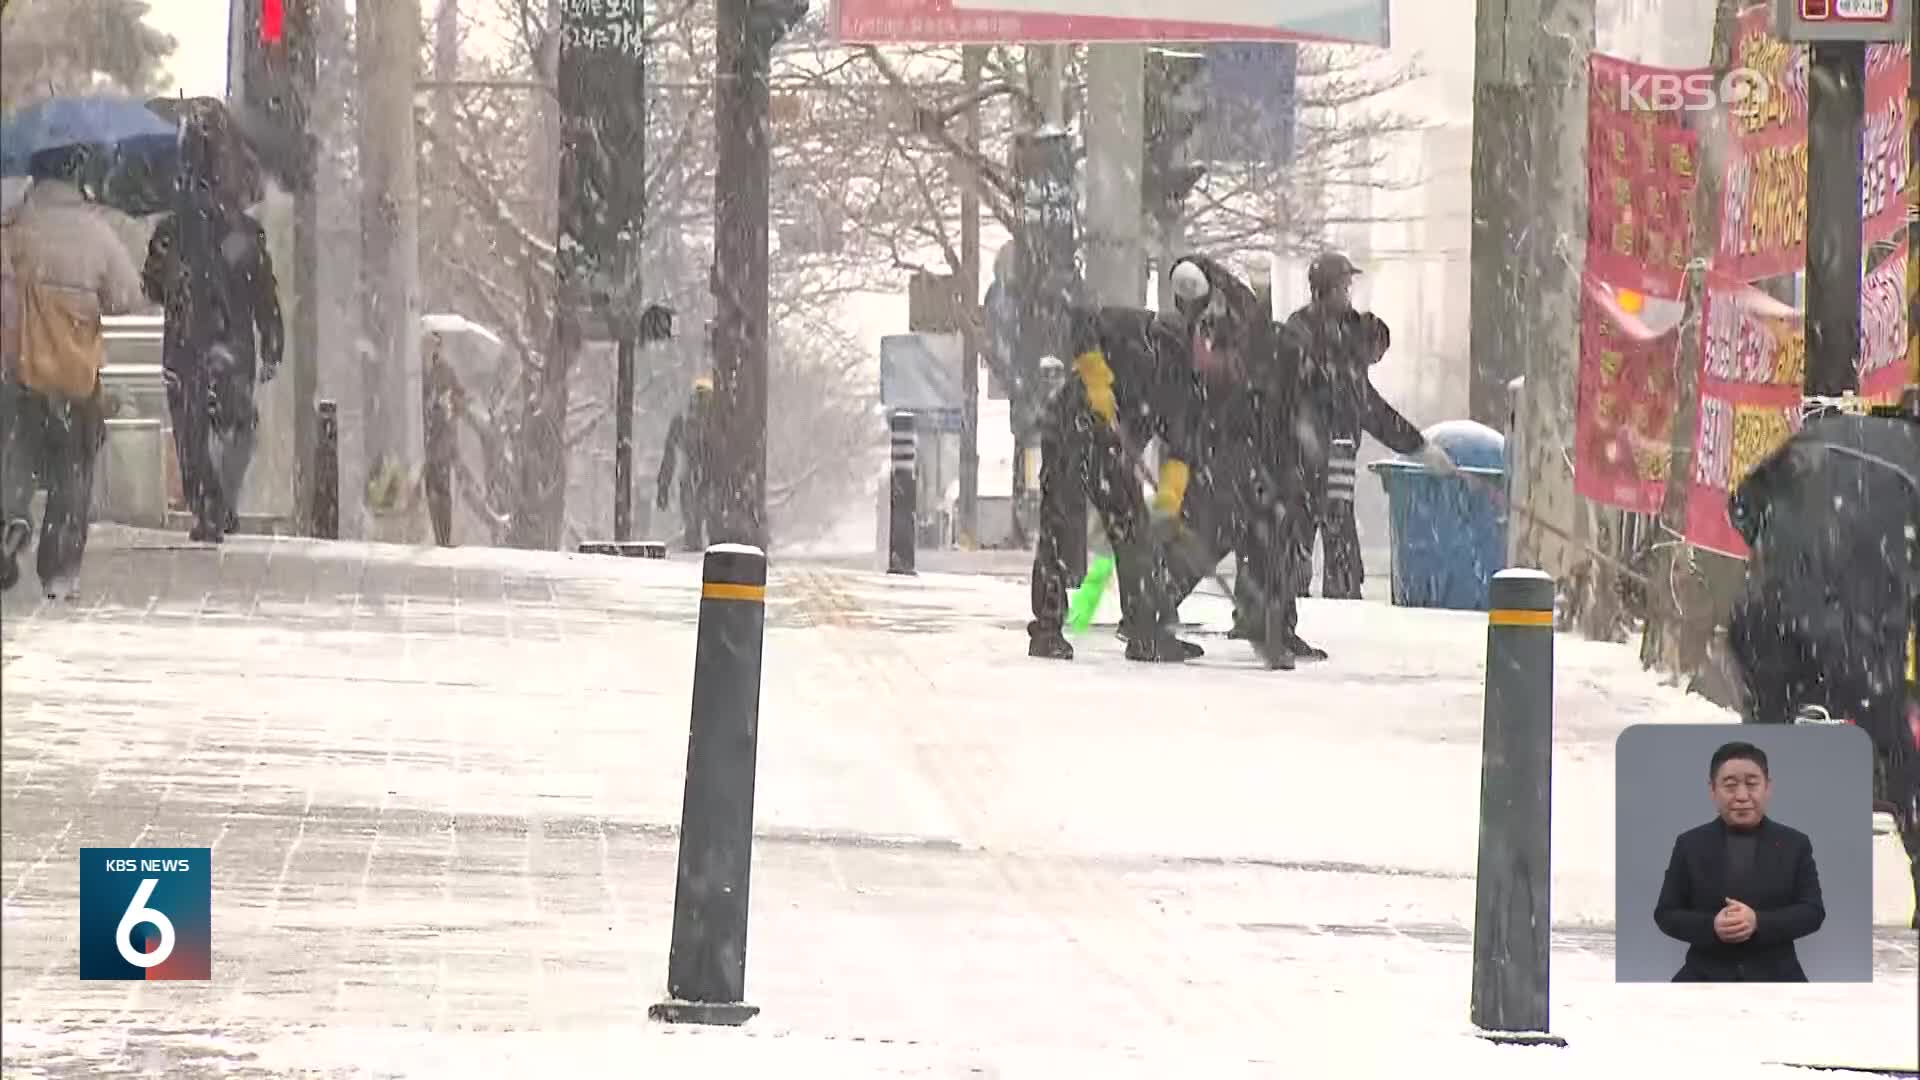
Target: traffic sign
{"type": "Point", "coordinates": [1843, 20]}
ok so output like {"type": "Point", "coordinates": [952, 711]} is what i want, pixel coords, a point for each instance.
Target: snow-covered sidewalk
{"type": "Point", "coordinates": [442, 788]}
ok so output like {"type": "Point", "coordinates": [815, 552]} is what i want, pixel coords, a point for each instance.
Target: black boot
{"type": "Point", "coordinates": [1047, 646]}
{"type": "Point", "coordinates": [1277, 659]}
{"type": "Point", "coordinates": [1193, 651]}
{"type": "Point", "coordinates": [1299, 647]}
{"type": "Point", "coordinates": [205, 533]}
{"type": "Point", "coordinates": [1161, 649]}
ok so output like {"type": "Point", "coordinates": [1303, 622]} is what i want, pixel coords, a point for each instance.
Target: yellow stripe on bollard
{"type": "Point", "coordinates": [720, 590]}
{"type": "Point", "coordinates": [1512, 617]}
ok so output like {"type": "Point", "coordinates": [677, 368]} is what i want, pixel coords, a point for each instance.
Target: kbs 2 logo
{"type": "Point", "coordinates": [146, 913]}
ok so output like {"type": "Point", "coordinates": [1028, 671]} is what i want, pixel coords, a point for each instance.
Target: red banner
{"type": "Point", "coordinates": [1883, 328]}
{"type": "Point", "coordinates": [1623, 425]}
{"type": "Point", "coordinates": [1884, 155]}
{"type": "Point", "coordinates": [1642, 167]}
{"type": "Point", "coordinates": [1763, 207]}
{"type": "Point", "coordinates": [1752, 364]}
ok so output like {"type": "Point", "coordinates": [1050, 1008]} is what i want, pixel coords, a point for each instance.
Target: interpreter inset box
{"type": "Point", "coordinates": [1743, 853]}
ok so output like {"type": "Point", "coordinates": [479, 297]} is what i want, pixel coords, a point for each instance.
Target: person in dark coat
{"type": "Point", "coordinates": [1247, 489]}
{"type": "Point", "coordinates": [1338, 401]}
{"type": "Point", "coordinates": [1741, 889]}
{"type": "Point", "coordinates": [209, 267]}
{"type": "Point", "coordinates": [688, 436]}
{"type": "Point", "coordinates": [1827, 613]}
{"type": "Point", "coordinates": [1131, 382]}
{"type": "Point", "coordinates": [443, 402]}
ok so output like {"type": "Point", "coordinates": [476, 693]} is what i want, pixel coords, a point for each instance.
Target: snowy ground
{"type": "Point", "coordinates": [442, 790]}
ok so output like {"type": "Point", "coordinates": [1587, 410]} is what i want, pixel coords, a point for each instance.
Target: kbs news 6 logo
{"type": "Point", "coordinates": [146, 913]}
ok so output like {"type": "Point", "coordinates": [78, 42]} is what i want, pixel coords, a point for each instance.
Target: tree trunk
{"type": "Point", "coordinates": [1529, 197]}
{"type": "Point", "coordinates": [1680, 618]}
{"type": "Point", "coordinates": [538, 509]}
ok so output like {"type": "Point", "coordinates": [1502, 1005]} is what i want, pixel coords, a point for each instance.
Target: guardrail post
{"type": "Point", "coordinates": [1512, 940]}
{"type": "Point", "coordinates": [326, 473]}
{"type": "Point", "coordinates": [707, 963]}
{"type": "Point", "coordinates": [902, 506]}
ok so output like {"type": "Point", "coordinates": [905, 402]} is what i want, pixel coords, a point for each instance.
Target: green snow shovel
{"type": "Point", "coordinates": [1086, 599]}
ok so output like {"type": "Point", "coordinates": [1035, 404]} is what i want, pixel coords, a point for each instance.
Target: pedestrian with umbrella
{"type": "Point", "coordinates": [63, 269]}
{"type": "Point", "coordinates": [131, 155]}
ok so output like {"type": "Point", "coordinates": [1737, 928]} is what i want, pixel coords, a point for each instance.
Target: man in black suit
{"type": "Point", "coordinates": [1741, 889]}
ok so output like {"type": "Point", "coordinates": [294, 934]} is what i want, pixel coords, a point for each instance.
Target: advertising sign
{"type": "Point", "coordinates": [876, 22]}
{"type": "Point", "coordinates": [1763, 218]}
{"type": "Point", "coordinates": [1843, 20]}
{"type": "Point", "coordinates": [1753, 364]}
{"type": "Point", "coordinates": [1642, 167]}
{"type": "Point", "coordinates": [1624, 421]}
{"type": "Point", "coordinates": [1884, 153]}
{"type": "Point", "coordinates": [1883, 328]}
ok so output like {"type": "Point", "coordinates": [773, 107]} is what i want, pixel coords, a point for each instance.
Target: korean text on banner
{"type": "Point", "coordinates": [1883, 328]}
{"type": "Point", "coordinates": [1752, 366]}
{"type": "Point", "coordinates": [1624, 418]}
{"type": "Point", "coordinates": [1763, 219]}
{"type": "Point", "coordinates": [1885, 157]}
{"type": "Point", "coordinates": [1642, 167]}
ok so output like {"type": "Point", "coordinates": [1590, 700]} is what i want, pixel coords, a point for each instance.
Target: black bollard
{"type": "Point", "coordinates": [707, 964]}
{"type": "Point", "coordinates": [1512, 913]}
{"type": "Point", "coordinates": [326, 473]}
{"type": "Point", "coordinates": [904, 494]}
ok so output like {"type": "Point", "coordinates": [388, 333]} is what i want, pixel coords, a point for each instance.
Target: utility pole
{"type": "Point", "coordinates": [1046, 250]}
{"type": "Point", "coordinates": [274, 81]}
{"type": "Point", "coordinates": [745, 34]}
{"type": "Point", "coordinates": [1116, 105]}
{"type": "Point", "coordinates": [1173, 105]}
{"type": "Point", "coordinates": [1501, 184]}
{"type": "Point", "coordinates": [972, 59]}
{"type": "Point", "coordinates": [1529, 215]}
{"type": "Point", "coordinates": [387, 40]}
{"type": "Point", "coordinates": [1044, 109]}
{"type": "Point", "coordinates": [1836, 113]}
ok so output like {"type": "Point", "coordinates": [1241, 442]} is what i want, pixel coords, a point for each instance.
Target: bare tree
{"type": "Point", "coordinates": [70, 46]}
{"type": "Point", "coordinates": [498, 265]}
{"type": "Point", "coordinates": [868, 163]}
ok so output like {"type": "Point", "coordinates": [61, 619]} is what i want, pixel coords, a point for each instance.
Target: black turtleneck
{"type": "Point", "coordinates": [1741, 844]}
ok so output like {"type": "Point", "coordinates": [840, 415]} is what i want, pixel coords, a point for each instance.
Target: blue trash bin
{"type": "Point", "coordinates": [1449, 534]}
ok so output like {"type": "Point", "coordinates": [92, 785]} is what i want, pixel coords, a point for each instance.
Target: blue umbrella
{"type": "Point", "coordinates": [104, 121]}
{"type": "Point", "coordinates": [137, 150]}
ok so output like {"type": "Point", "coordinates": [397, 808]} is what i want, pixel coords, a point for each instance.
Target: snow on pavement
{"type": "Point", "coordinates": [442, 788]}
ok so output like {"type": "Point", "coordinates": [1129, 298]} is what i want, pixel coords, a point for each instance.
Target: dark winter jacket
{"type": "Point", "coordinates": [216, 282]}
{"type": "Point", "coordinates": [1782, 888]}
{"type": "Point", "coordinates": [689, 436]}
{"type": "Point", "coordinates": [1337, 399]}
{"type": "Point", "coordinates": [1833, 584]}
{"type": "Point", "coordinates": [1152, 382]}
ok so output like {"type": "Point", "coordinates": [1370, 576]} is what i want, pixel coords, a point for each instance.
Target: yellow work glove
{"type": "Point", "coordinates": [1172, 489]}
{"type": "Point", "coordinates": [1097, 377]}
